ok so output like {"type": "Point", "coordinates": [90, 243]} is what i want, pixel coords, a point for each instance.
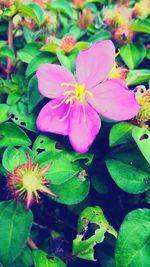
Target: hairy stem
{"type": "Point", "coordinates": [10, 43]}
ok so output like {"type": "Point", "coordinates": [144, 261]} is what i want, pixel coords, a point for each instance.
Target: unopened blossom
{"type": "Point", "coordinates": [116, 17]}
{"type": "Point", "coordinates": [141, 9]}
{"type": "Point", "coordinates": [118, 72]}
{"type": "Point", "coordinates": [143, 97]}
{"type": "Point", "coordinates": [28, 23]}
{"type": "Point", "coordinates": [78, 100]}
{"type": "Point", "coordinates": [67, 44]}
{"type": "Point", "coordinates": [124, 34]}
{"type": "Point", "coordinates": [86, 18]}
{"type": "Point", "coordinates": [78, 3]}
{"type": "Point", "coordinates": [27, 181]}
{"type": "Point", "coordinates": [6, 3]}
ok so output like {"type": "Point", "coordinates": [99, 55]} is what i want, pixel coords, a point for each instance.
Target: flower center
{"type": "Point", "coordinates": [31, 181]}
{"type": "Point", "coordinates": [77, 95]}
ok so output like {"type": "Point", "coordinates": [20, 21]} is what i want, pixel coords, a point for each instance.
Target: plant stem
{"type": "Point", "coordinates": [31, 244]}
{"type": "Point", "coordinates": [10, 43]}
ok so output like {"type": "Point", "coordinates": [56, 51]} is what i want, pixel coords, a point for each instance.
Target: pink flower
{"type": "Point", "coordinates": [77, 101]}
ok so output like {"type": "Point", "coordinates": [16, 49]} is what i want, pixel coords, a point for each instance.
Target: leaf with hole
{"type": "Point", "coordinates": [20, 116]}
{"type": "Point", "coordinates": [41, 260]}
{"type": "Point", "coordinates": [92, 216]}
{"type": "Point", "coordinates": [142, 138]}
{"type": "Point", "coordinates": [44, 143]}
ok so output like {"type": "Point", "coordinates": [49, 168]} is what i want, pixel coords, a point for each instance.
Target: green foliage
{"type": "Point", "coordinates": [10, 134]}
{"type": "Point", "coordinates": [41, 260]}
{"type": "Point", "coordinates": [142, 138]}
{"type": "Point", "coordinates": [128, 169]}
{"type": "Point", "coordinates": [112, 178]}
{"type": "Point", "coordinates": [120, 133]}
{"type": "Point", "coordinates": [4, 116]}
{"type": "Point", "coordinates": [18, 155]}
{"type": "Point", "coordinates": [84, 248]}
{"type": "Point", "coordinates": [15, 224]}
{"type": "Point", "coordinates": [133, 244]}
{"type": "Point", "coordinates": [132, 54]}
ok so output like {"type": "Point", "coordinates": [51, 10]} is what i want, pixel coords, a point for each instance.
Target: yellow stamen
{"type": "Point", "coordinates": [117, 53]}
{"type": "Point", "coordinates": [79, 93]}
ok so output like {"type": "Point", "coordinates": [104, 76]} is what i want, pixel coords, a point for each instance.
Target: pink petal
{"type": "Point", "coordinates": [84, 126]}
{"type": "Point", "coordinates": [94, 64]}
{"type": "Point", "coordinates": [49, 118]}
{"type": "Point", "coordinates": [50, 79]}
{"type": "Point", "coordinates": [113, 100]}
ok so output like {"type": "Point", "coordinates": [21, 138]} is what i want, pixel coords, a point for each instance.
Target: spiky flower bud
{"type": "Point", "coordinates": [67, 44]}
{"type": "Point", "coordinates": [27, 181]}
{"type": "Point", "coordinates": [86, 19]}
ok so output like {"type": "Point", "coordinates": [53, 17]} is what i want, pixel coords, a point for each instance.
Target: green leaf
{"type": "Point", "coordinates": [84, 248]}
{"type": "Point", "coordinates": [6, 51]}
{"type": "Point", "coordinates": [133, 243]}
{"type": "Point", "coordinates": [18, 155]}
{"type": "Point", "coordinates": [25, 259]}
{"type": "Point", "coordinates": [129, 169]}
{"type": "Point", "coordinates": [74, 156]}
{"type": "Point", "coordinates": [141, 25]}
{"type": "Point", "coordinates": [26, 11]}
{"type": "Point", "coordinates": [62, 6]}
{"type": "Point", "coordinates": [41, 260]}
{"type": "Point", "coordinates": [4, 116]}
{"type": "Point", "coordinates": [13, 98]}
{"type": "Point", "coordinates": [120, 133]}
{"type": "Point", "coordinates": [72, 57]}
{"type": "Point", "coordinates": [41, 58]}
{"type": "Point", "coordinates": [82, 45]}
{"type": "Point", "coordinates": [15, 225]}
{"type": "Point", "coordinates": [7, 86]}
{"type": "Point", "coordinates": [142, 138]}
{"type": "Point", "coordinates": [34, 96]}
{"type": "Point", "coordinates": [100, 183]}
{"type": "Point", "coordinates": [51, 47]}
{"type": "Point", "coordinates": [44, 143]}
{"type": "Point", "coordinates": [72, 191]}
{"type": "Point", "coordinates": [63, 59]}
{"type": "Point", "coordinates": [138, 76]}
{"type": "Point", "coordinates": [61, 170]}
{"type": "Point", "coordinates": [10, 134]}
{"type": "Point", "coordinates": [133, 54]}
{"type": "Point", "coordinates": [20, 116]}
{"type": "Point", "coordinates": [38, 11]}
{"type": "Point", "coordinates": [29, 52]}
{"type": "Point", "coordinates": [101, 35]}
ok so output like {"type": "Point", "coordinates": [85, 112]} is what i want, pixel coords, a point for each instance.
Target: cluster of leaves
{"type": "Point", "coordinates": [115, 175]}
